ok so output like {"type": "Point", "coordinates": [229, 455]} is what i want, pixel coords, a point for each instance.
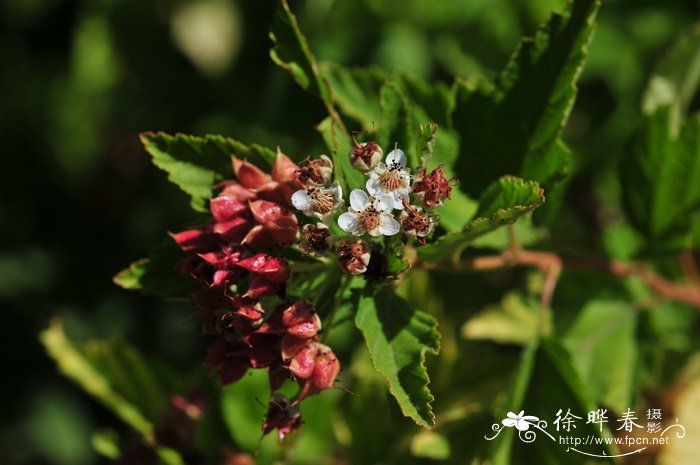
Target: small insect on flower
{"type": "Point", "coordinates": [316, 239]}
{"type": "Point", "coordinates": [353, 256]}
{"type": "Point", "coordinates": [416, 223]}
{"type": "Point", "coordinates": [391, 178]}
{"type": "Point", "coordinates": [315, 171]}
{"type": "Point", "coordinates": [432, 189]}
{"type": "Point", "coordinates": [365, 156]}
{"type": "Point", "coordinates": [318, 201]}
{"type": "Point", "coordinates": [369, 215]}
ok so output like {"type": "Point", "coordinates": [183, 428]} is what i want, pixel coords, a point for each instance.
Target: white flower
{"type": "Point", "coordinates": [520, 421]}
{"type": "Point", "coordinates": [367, 214]}
{"type": "Point", "coordinates": [391, 178]}
{"type": "Point", "coordinates": [318, 201]}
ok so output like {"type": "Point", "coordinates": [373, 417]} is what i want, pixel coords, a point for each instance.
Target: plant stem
{"type": "Point", "coordinates": [552, 264]}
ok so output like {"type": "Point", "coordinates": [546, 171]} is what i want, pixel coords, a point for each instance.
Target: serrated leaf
{"type": "Point", "coordinates": [505, 200]}
{"type": "Point", "coordinates": [114, 374]}
{"type": "Point", "coordinates": [356, 92]}
{"type": "Point", "coordinates": [292, 52]}
{"type": "Point", "coordinates": [196, 164]}
{"type": "Point", "coordinates": [661, 180]}
{"type": "Point", "coordinates": [398, 337]}
{"type": "Point", "coordinates": [157, 274]}
{"type": "Point", "coordinates": [511, 128]}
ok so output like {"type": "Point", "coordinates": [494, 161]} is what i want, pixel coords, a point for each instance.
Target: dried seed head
{"type": "Point", "coordinates": [316, 239]}
{"type": "Point", "coordinates": [416, 223]}
{"type": "Point", "coordinates": [365, 156]}
{"type": "Point", "coordinates": [353, 256]}
{"type": "Point", "coordinates": [315, 171]}
{"type": "Point", "coordinates": [432, 189]}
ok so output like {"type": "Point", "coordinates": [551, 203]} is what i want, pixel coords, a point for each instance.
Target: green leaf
{"type": "Point", "coordinates": [356, 92]}
{"type": "Point", "coordinates": [504, 201]}
{"type": "Point", "coordinates": [513, 321]}
{"type": "Point", "coordinates": [512, 127]}
{"type": "Point", "coordinates": [292, 52]}
{"type": "Point", "coordinates": [398, 337]}
{"type": "Point", "coordinates": [338, 143]}
{"type": "Point", "coordinates": [398, 125]}
{"type": "Point", "coordinates": [157, 274]}
{"type": "Point", "coordinates": [430, 445]}
{"type": "Point", "coordinates": [661, 180]}
{"type": "Point", "coordinates": [116, 375]}
{"type": "Point", "coordinates": [604, 350]}
{"type": "Point", "coordinates": [195, 164]}
{"type": "Point", "coordinates": [675, 79]}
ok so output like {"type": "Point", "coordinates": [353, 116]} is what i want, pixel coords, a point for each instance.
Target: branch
{"type": "Point", "coordinates": [551, 264]}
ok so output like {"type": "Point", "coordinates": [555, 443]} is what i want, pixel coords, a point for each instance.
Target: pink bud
{"type": "Point", "coordinates": [284, 169]}
{"type": "Point", "coordinates": [196, 240]}
{"type": "Point", "coordinates": [248, 174]}
{"type": "Point", "coordinates": [234, 230]}
{"type": "Point", "coordinates": [269, 267]}
{"type": "Point", "coordinates": [326, 368]}
{"type": "Point", "coordinates": [225, 208]}
{"type": "Point", "coordinates": [302, 364]}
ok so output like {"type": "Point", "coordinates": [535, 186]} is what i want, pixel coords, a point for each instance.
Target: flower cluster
{"type": "Point", "coordinates": [388, 188]}
{"type": "Point", "coordinates": [235, 259]}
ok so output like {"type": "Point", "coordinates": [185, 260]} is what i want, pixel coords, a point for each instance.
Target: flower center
{"type": "Point", "coordinates": [323, 200]}
{"type": "Point", "coordinates": [390, 180]}
{"type": "Point", "coordinates": [368, 219]}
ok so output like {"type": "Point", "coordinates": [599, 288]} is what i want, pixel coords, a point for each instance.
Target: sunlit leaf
{"type": "Point", "coordinates": [398, 337]}
{"type": "Point", "coordinates": [513, 127]}
{"type": "Point", "coordinates": [196, 164]}
{"type": "Point", "coordinates": [505, 201]}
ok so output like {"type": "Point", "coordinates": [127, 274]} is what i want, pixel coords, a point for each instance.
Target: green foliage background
{"type": "Point", "coordinates": [80, 199]}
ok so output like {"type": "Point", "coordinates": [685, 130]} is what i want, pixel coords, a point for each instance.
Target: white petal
{"type": "Point", "coordinates": [397, 203]}
{"type": "Point", "coordinates": [388, 225]}
{"type": "Point", "coordinates": [384, 202]}
{"type": "Point", "coordinates": [301, 200]}
{"type": "Point", "coordinates": [336, 190]}
{"type": "Point", "coordinates": [348, 222]}
{"type": "Point", "coordinates": [396, 156]}
{"type": "Point", "coordinates": [373, 187]}
{"type": "Point", "coordinates": [358, 199]}
{"type": "Point", "coordinates": [327, 160]}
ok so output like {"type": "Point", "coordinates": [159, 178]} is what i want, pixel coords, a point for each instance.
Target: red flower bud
{"type": "Point", "coordinates": [272, 269]}
{"type": "Point", "coordinates": [248, 174]}
{"type": "Point", "coordinates": [326, 369]}
{"type": "Point", "coordinates": [284, 169]}
{"type": "Point", "coordinates": [225, 208]}
{"type": "Point", "coordinates": [303, 362]}
{"type": "Point", "coordinates": [197, 240]}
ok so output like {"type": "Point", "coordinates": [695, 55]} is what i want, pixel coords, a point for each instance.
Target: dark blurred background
{"type": "Point", "coordinates": [79, 199]}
